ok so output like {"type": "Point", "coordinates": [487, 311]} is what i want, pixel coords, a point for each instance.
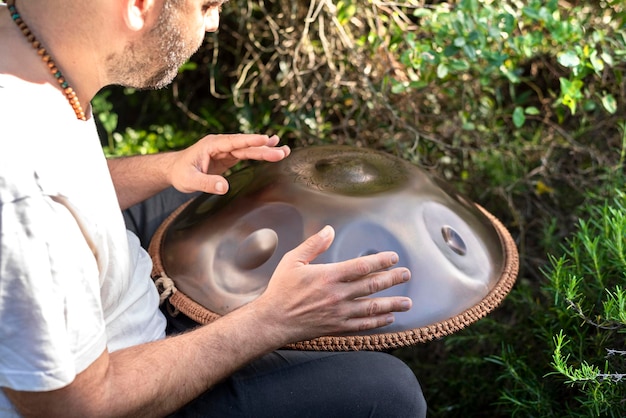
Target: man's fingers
{"type": "Point", "coordinates": [207, 183]}
{"type": "Point", "coordinates": [312, 247]}
{"type": "Point", "coordinates": [371, 313]}
{"type": "Point", "coordinates": [356, 268]}
{"type": "Point", "coordinates": [366, 307]}
{"type": "Point", "coordinates": [368, 323]}
{"type": "Point", "coordinates": [379, 281]}
{"type": "Point", "coordinates": [229, 143]}
{"type": "Point", "coordinates": [264, 153]}
{"type": "Point", "coordinates": [240, 147]}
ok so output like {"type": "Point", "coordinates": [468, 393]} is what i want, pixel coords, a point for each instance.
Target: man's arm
{"type": "Point", "coordinates": [302, 301]}
{"type": "Point", "coordinates": [139, 177]}
{"type": "Point", "coordinates": [197, 168]}
{"type": "Point", "coordinates": [152, 379]}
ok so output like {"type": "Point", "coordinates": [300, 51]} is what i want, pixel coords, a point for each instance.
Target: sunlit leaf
{"type": "Point", "coordinates": [442, 70]}
{"type": "Point", "coordinates": [609, 103]}
{"type": "Point", "coordinates": [569, 59]}
{"type": "Point", "coordinates": [518, 117]}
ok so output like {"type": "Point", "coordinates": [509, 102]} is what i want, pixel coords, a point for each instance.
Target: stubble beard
{"type": "Point", "coordinates": [153, 62]}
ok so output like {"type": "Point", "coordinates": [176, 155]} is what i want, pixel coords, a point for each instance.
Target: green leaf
{"type": "Point", "coordinates": [518, 117]}
{"type": "Point", "coordinates": [570, 93]}
{"type": "Point", "coordinates": [609, 103]}
{"type": "Point", "coordinates": [450, 50]}
{"type": "Point", "coordinates": [442, 70]}
{"type": "Point", "coordinates": [398, 88]}
{"type": "Point", "coordinates": [569, 59]}
{"type": "Point", "coordinates": [596, 62]}
{"type": "Point", "coordinates": [109, 121]}
{"type": "Point", "coordinates": [607, 58]}
{"type": "Point", "coordinates": [188, 66]}
{"type": "Point", "coordinates": [531, 110]}
{"type": "Point", "coordinates": [422, 12]}
{"type": "Point", "coordinates": [459, 65]}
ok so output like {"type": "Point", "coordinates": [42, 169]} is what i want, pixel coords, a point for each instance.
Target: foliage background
{"type": "Point", "coordinates": [518, 104]}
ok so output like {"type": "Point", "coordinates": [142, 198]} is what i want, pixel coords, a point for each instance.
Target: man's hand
{"type": "Point", "coordinates": [199, 167]}
{"type": "Point", "coordinates": [304, 300]}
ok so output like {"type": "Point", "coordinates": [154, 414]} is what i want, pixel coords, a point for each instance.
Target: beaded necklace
{"type": "Point", "coordinates": [47, 59]}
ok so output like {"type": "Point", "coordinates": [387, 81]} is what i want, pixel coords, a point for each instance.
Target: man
{"type": "Point", "coordinates": [81, 333]}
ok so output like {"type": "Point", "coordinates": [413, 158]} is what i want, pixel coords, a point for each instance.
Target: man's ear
{"type": "Point", "coordinates": [136, 13]}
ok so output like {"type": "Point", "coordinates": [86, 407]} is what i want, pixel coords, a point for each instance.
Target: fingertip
{"type": "Point", "coordinates": [314, 245]}
{"type": "Point", "coordinates": [326, 232]}
{"type": "Point", "coordinates": [221, 187]}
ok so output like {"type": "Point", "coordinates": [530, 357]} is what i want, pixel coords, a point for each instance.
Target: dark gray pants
{"type": "Point", "coordinates": [289, 383]}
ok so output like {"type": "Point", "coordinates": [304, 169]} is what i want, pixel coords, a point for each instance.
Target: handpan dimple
{"type": "Point", "coordinates": [350, 172]}
{"type": "Point", "coordinates": [453, 239]}
{"type": "Point", "coordinates": [256, 249]}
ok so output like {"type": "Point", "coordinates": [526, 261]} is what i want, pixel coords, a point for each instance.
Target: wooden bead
{"type": "Point", "coordinates": [70, 94]}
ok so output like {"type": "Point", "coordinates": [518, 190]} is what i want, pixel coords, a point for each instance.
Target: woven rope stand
{"type": "Point", "coordinates": [376, 342]}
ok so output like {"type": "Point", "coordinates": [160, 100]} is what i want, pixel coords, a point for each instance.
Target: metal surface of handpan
{"type": "Point", "coordinates": [221, 251]}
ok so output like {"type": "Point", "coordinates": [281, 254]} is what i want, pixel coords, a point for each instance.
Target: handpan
{"type": "Point", "coordinates": [216, 253]}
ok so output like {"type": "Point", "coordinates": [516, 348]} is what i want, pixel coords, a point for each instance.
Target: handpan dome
{"type": "Point", "coordinates": [220, 251]}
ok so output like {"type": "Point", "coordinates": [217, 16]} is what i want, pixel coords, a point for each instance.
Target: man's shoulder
{"type": "Point", "coordinates": [39, 145]}
{"type": "Point", "coordinates": [30, 105]}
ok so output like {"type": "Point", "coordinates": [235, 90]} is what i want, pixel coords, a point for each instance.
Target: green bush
{"type": "Point", "coordinates": [573, 364]}
{"type": "Point", "coordinates": [588, 282]}
{"type": "Point", "coordinates": [487, 40]}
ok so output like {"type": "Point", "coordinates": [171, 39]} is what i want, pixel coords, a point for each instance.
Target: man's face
{"type": "Point", "coordinates": [153, 61]}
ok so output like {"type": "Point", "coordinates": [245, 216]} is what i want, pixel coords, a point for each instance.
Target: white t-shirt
{"type": "Point", "coordinates": [73, 281]}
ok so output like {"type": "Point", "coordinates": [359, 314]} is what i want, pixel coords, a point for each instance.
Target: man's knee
{"type": "Point", "coordinates": [393, 387]}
